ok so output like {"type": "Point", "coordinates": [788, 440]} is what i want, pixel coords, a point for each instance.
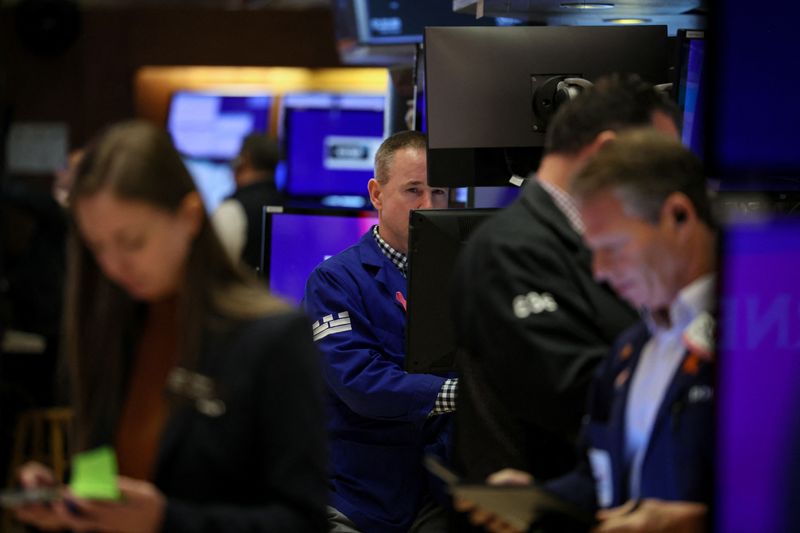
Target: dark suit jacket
{"type": "Point", "coordinates": [680, 453]}
{"type": "Point", "coordinates": [260, 464]}
{"type": "Point", "coordinates": [253, 198]}
{"type": "Point", "coordinates": [532, 325]}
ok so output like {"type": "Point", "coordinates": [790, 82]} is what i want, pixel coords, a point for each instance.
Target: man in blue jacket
{"type": "Point", "coordinates": [381, 419]}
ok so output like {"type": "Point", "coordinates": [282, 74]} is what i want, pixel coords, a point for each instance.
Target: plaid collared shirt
{"type": "Point", "coordinates": [399, 259]}
{"type": "Point", "coordinates": [566, 204]}
{"type": "Point", "coordinates": [446, 401]}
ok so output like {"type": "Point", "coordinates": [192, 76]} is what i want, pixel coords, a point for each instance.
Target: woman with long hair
{"type": "Point", "coordinates": [205, 384]}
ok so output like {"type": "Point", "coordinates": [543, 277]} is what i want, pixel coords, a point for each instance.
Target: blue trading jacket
{"type": "Point", "coordinates": [378, 420]}
{"type": "Point", "coordinates": [680, 453]}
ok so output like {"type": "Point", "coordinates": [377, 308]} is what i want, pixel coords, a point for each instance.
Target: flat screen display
{"type": "Point", "coordinates": [300, 240]}
{"type": "Point", "coordinates": [758, 437]}
{"type": "Point", "coordinates": [330, 141]}
{"type": "Point", "coordinates": [211, 125]}
{"type": "Point", "coordinates": [398, 22]}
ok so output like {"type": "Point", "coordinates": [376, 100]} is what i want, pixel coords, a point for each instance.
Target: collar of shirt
{"type": "Point", "coordinates": [399, 259]}
{"type": "Point", "coordinates": [565, 203]}
{"type": "Point", "coordinates": [692, 300]}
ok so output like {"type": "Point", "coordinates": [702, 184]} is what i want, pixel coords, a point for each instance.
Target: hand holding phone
{"type": "Point", "coordinates": [11, 498]}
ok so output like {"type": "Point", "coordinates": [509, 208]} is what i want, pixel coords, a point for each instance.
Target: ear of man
{"type": "Point", "coordinates": [374, 188]}
{"type": "Point", "coordinates": [678, 214]}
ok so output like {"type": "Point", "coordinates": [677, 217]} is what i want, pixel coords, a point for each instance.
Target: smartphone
{"type": "Point", "coordinates": [17, 497]}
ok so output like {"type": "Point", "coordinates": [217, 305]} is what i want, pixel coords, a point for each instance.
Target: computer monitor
{"type": "Point", "coordinates": [491, 91]}
{"type": "Point", "coordinates": [753, 114]}
{"type": "Point", "coordinates": [758, 391]}
{"type": "Point", "coordinates": [211, 125]}
{"type": "Point", "coordinates": [688, 88]}
{"type": "Point", "coordinates": [435, 239]}
{"type": "Point", "coordinates": [297, 240]}
{"type": "Point", "coordinates": [383, 32]}
{"type": "Point", "coordinates": [330, 142]}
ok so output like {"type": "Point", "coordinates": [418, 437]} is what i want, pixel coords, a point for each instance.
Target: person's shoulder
{"type": "Point", "coordinates": [513, 232]}
{"type": "Point", "coordinates": [348, 260]}
{"type": "Point", "coordinates": [273, 324]}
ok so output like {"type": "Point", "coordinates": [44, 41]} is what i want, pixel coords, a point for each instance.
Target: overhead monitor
{"type": "Point", "coordinates": [393, 22]}
{"type": "Point", "coordinates": [211, 125]}
{"type": "Point", "coordinates": [435, 239]}
{"type": "Point", "coordinates": [297, 240]}
{"type": "Point", "coordinates": [330, 142]}
{"type": "Point", "coordinates": [758, 389]}
{"type": "Point", "coordinates": [383, 32]}
{"type": "Point", "coordinates": [490, 92]}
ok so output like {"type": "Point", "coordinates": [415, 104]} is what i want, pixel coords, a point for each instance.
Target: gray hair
{"type": "Point", "coordinates": [643, 167]}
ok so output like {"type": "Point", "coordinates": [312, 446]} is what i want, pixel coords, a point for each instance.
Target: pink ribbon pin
{"type": "Point", "coordinates": [400, 298]}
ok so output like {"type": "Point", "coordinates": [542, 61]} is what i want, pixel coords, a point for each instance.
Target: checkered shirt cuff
{"type": "Point", "coordinates": [446, 401]}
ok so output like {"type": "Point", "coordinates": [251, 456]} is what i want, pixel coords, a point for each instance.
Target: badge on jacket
{"type": "Point", "coordinates": [600, 461]}
{"type": "Point", "coordinates": [330, 324]}
{"type": "Point", "coordinates": [197, 388]}
{"type": "Point", "coordinates": [533, 303]}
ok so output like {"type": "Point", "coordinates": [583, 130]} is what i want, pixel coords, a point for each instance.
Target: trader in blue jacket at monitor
{"type": "Point", "coordinates": [381, 419]}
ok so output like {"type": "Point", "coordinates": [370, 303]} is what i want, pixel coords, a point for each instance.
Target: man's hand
{"type": "Point", "coordinates": [653, 516]}
{"type": "Point", "coordinates": [509, 476]}
{"type": "Point", "coordinates": [481, 517]}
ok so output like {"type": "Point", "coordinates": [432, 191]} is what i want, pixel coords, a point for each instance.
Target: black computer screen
{"type": "Point", "coordinates": [487, 96]}
{"type": "Point", "coordinates": [435, 239]}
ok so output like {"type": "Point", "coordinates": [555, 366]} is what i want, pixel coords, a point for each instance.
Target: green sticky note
{"type": "Point", "coordinates": [94, 474]}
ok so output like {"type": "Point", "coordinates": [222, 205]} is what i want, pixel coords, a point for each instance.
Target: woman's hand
{"type": "Point", "coordinates": [41, 515]}
{"type": "Point", "coordinates": [141, 510]}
